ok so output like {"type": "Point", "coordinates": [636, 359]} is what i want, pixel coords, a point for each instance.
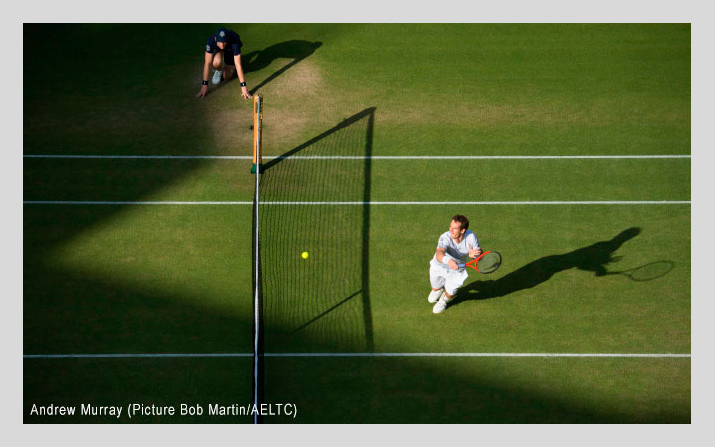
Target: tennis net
{"type": "Point", "coordinates": [318, 304]}
{"type": "Point", "coordinates": [322, 303]}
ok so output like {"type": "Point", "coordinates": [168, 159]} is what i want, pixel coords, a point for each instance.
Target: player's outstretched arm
{"type": "Point", "coordinates": [207, 68]}
{"type": "Point", "coordinates": [241, 79]}
{"type": "Point", "coordinates": [441, 252]}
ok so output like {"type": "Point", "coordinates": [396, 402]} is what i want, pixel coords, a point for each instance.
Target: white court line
{"type": "Point", "coordinates": [470, 354]}
{"type": "Point", "coordinates": [132, 356]}
{"type": "Point", "coordinates": [97, 202]}
{"type": "Point", "coordinates": [362, 157]}
{"type": "Point", "coordinates": [147, 157]}
{"type": "Point", "coordinates": [573, 202]}
{"type": "Point", "coordinates": [366, 354]}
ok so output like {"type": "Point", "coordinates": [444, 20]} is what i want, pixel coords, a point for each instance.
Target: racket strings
{"type": "Point", "coordinates": [489, 262]}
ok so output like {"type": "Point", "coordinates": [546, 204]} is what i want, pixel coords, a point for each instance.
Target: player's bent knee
{"type": "Point", "coordinates": [217, 62]}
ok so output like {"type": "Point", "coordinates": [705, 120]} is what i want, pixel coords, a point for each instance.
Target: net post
{"type": "Point", "coordinates": [257, 133]}
{"type": "Point", "coordinates": [257, 280]}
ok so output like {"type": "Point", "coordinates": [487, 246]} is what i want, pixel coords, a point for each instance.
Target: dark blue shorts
{"type": "Point", "coordinates": [228, 57]}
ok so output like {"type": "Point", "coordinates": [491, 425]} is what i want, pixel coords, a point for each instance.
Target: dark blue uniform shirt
{"type": "Point", "coordinates": [233, 47]}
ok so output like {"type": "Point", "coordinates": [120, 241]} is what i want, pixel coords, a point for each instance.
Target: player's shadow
{"type": "Point", "coordinates": [258, 60]}
{"type": "Point", "coordinates": [291, 49]}
{"type": "Point", "coordinates": [593, 258]}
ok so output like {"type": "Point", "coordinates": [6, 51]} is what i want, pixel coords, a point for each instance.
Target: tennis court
{"type": "Point", "coordinates": [567, 146]}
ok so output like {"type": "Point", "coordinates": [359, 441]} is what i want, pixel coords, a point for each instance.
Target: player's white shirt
{"type": "Point", "coordinates": [458, 252]}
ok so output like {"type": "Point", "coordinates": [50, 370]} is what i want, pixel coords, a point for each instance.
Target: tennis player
{"type": "Point", "coordinates": [454, 247]}
{"type": "Point", "coordinates": [223, 52]}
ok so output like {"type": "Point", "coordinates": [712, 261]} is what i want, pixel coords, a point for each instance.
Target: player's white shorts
{"type": "Point", "coordinates": [451, 280]}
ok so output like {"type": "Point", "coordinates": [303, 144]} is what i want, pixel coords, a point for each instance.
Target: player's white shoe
{"type": "Point", "coordinates": [440, 306]}
{"type": "Point", "coordinates": [434, 296]}
{"type": "Point", "coordinates": [218, 74]}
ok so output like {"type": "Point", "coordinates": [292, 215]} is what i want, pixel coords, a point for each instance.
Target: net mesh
{"type": "Point", "coordinates": [318, 304]}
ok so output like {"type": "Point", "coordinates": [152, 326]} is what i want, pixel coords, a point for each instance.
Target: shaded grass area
{"type": "Point", "coordinates": [137, 180]}
{"type": "Point", "coordinates": [143, 281]}
{"type": "Point", "coordinates": [146, 280]}
{"type": "Point", "coordinates": [482, 390]}
{"type": "Point", "coordinates": [426, 390]}
{"type": "Point", "coordinates": [123, 382]}
{"type": "Point", "coordinates": [114, 89]}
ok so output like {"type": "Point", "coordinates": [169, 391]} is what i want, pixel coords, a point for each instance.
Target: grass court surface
{"type": "Point", "coordinates": [139, 276]}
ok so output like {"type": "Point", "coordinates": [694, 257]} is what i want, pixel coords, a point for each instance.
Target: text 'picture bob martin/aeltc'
{"type": "Point", "coordinates": [140, 411]}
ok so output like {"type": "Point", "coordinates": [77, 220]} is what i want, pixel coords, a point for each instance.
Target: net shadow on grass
{"type": "Point", "coordinates": [593, 258]}
{"type": "Point", "coordinates": [323, 302]}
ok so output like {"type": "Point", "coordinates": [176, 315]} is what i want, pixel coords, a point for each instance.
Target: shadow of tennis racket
{"type": "Point", "coordinates": [647, 272]}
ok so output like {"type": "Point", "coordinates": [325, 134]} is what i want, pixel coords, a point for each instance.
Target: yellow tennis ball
{"type": "Point", "coordinates": [304, 255]}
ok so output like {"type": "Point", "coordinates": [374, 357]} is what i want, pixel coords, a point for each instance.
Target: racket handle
{"type": "Point", "coordinates": [461, 266]}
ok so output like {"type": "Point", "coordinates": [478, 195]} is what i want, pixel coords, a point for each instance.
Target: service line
{"type": "Point", "coordinates": [361, 354]}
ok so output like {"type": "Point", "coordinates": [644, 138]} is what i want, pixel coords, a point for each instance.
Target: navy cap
{"type": "Point", "coordinates": [221, 35]}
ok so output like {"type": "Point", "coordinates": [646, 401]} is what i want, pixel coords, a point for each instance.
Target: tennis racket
{"type": "Point", "coordinates": [487, 262]}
